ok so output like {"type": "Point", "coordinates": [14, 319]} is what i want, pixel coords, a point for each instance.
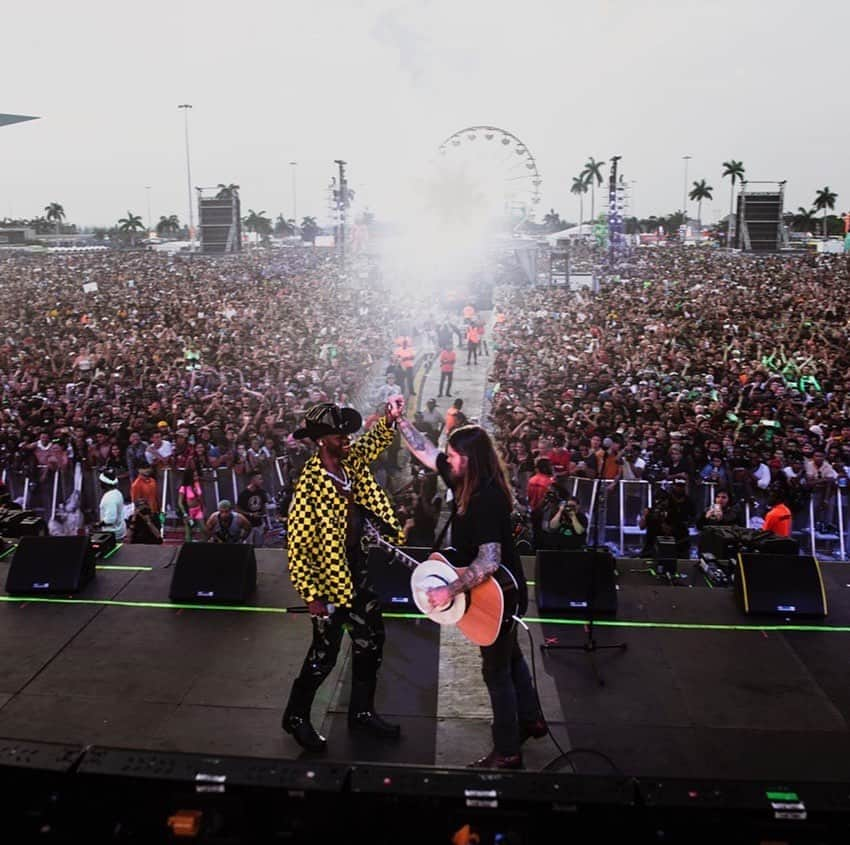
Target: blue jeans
{"type": "Point", "coordinates": [511, 692]}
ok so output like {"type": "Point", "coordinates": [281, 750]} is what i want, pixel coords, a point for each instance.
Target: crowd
{"type": "Point", "coordinates": [124, 362]}
{"type": "Point", "coordinates": [692, 365]}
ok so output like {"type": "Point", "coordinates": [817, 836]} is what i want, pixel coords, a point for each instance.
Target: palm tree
{"type": "Point", "coordinates": [552, 221]}
{"type": "Point", "coordinates": [593, 174]}
{"type": "Point", "coordinates": [734, 170]}
{"type": "Point", "coordinates": [825, 199]}
{"type": "Point", "coordinates": [132, 223]}
{"type": "Point", "coordinates": [168, 225]}
{"type": "Point", "coordinates": [256, 221]}
{"type": "Point", "coordinates": [805, 218]}
{"type": "Point", "coordinates": [700, 192]}
{"type": "Point", "coordinates": [579, 186]}
{"type": "Point", "coordinates": [284, 226]}
{"type": "Point", "coordinates": [225, 192]}
{"type": "Point", "coordinates": [309, 229]}
{"type": "Point", "coordinates": [55, 213]}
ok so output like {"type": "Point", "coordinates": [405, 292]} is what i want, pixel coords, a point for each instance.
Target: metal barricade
{"type": "Point", "coordinates": [824, 541]}
{"type": "Point", "coordinates": [635, 496]}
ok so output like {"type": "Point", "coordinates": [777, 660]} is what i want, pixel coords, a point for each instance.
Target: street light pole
{"type": "Point", "coordinates": [186, 107]}
{"type": "Point", "coordinates": [294, 166]}
{"type": "Point", "coordinates": [342, 202]}
{"type": "Point", "coordinates": [148, 190]}
{"type": "Point", "coordinates": [685, 190]}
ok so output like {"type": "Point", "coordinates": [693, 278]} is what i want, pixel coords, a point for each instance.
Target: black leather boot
{"type": "Point", "coordinates": [362, 715]}
{"type": "Point", "coordinates": [303, 732]}
{"type": "Point", "coordinates": [296, 717]}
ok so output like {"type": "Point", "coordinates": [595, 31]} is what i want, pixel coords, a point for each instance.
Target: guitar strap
{"type": "Point", "coordinates": [438, 543]}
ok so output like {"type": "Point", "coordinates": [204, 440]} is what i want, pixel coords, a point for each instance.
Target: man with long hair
{"type": "Point", "coordinates": [482, 535]}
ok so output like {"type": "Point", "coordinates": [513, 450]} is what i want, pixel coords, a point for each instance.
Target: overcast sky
{"type": "Point", "coordinates": [381, 84]}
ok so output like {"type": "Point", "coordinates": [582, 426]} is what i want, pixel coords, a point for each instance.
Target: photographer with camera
{"type": "Point", "coordinates": [564, 525]}
{"type": "Point", "coordinates": [142, 527]}
{"type": "Point", "coordinates": [669, 516]}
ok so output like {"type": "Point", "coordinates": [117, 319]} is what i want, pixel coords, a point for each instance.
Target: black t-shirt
{"type": "Point", "coordinates": [253, 504]}
{"type": "Point", "coordinates": [487, 520]}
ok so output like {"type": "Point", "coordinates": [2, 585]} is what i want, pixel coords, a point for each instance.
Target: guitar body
{"type": "Point", "coordinates": [479, 613]}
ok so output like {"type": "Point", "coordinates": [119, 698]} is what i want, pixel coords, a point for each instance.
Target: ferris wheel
{"type": "Point", "coordinates": [494, 168]}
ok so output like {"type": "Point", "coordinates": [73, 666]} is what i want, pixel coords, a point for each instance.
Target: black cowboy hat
{"type": "Point", "coordinates": [327, 418]}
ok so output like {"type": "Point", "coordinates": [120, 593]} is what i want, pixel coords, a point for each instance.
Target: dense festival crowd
{"type": "Point", "coordinates": [124, 361]}
{"type": "Point", "coordinates": [691, 364]}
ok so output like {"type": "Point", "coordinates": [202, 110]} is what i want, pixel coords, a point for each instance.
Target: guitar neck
{"type": "Point", "coordinates": [398, 554]}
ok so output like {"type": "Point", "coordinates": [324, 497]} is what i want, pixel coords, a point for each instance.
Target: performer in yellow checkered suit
{"type": "Point", "coordinates": [336, 491]}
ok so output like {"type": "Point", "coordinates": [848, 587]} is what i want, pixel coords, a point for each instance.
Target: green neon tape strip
{"type": "Point", "coordinates": [125, 568]}
{"type": "Point", "coordinates": [531, 583]}
{"type": "Point", "coordinates": [782, 796]}
{"type": "Point", "coordinates": [605, 623]}
{"type": "Point", "coordinates": [8, 552]}
{"type": "Point", "coordinates": [710, 585]}
{"type": "Point", "coordinates": [162, 605]}
{"type": "Point", "coordinates": [112, 552]}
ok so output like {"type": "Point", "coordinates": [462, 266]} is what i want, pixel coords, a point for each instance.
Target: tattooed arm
{"type": "Point", "coordinates": [485, 564]}
{"type": "Point", "coordinates": [418, 444]}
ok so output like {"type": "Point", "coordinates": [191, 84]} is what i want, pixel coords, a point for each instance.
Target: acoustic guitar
{"type": "Point", "coordinates": [478, 613]}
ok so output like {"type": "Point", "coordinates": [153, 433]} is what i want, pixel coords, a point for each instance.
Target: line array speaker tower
{"type": "Point", "coordinates": [758, 222]}
{"type": "Point", "coordinates": [220, 223]}
{"type": "Point", "coordinates": [212, 573]}
{"type": "Point", "coordinates": [50, 565]}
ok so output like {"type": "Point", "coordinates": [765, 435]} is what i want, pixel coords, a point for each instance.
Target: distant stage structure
{"type": "Point", "coordinates": [219, 220]}
{"type": "Point", "coordinates": [489, 170]}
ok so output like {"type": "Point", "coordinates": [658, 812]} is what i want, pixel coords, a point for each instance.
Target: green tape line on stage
{"type": "Point", "coordinates": [600, 623]}
{"type": "Point", "coordinates": [125, 568]}
{"type": "Point", "coordinates": [161, 605]}
{"type": "Point", "coordinates": [8, 551]}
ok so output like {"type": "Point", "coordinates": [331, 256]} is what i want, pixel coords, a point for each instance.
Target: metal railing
{"type": "Point", "coordinates": [614, 509]}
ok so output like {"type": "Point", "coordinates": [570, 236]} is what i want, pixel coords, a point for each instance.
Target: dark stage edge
{"type": "Point", "coordinates": [120, 666]}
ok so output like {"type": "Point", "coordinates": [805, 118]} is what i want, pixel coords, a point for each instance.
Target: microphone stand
{"type": "Point", "coordinates": [590, 646]}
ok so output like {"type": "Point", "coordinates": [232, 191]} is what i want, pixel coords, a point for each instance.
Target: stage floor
{"type": "Point", "coordinates": [701, 691]}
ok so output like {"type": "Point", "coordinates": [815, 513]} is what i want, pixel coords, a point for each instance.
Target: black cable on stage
{"type": "Point", "coordinates": [554, 764]}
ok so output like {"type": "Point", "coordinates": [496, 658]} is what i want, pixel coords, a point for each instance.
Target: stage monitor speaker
{"type": "Point", "coordinates": [50, 565]}
{"type": "Point", "coordinates": [780, 585]}
{"type": "Point", "coordinates": [575, 582]}
{"type": "Point", "coordinates": [391, 579]}
{"type": "Point", "coordinates": [214, 573]}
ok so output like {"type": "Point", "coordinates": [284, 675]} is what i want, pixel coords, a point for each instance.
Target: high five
{"type": "Point", "coordinates": [482, 536]}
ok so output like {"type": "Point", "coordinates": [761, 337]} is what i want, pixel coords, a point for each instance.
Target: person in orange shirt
{"type": "Point", "coordinates": [778, 518]}
{"type": "Point", "coordinates": [447, 367]}
{"type": "Point", "coordinates": [144, 486]}
{"type": "Point", "coordinates": [455, 417]}
{"type": "Point", "coordinates": [473, 336]}
{"type": "Point", "coordinates": [406, 356]}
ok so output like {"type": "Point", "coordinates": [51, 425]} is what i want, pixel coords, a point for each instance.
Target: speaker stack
{"type": "Point", "coordinates": [780, 585]}
{"type": "Point", "coordinates": [50, 565]}
{"type": "Point", "coordinates": [211, 573]}
{"type": "Point", "coordinates": [576, 582]}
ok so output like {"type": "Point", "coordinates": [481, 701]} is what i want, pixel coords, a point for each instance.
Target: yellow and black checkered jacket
{"type": "Point", "coordinates": [318, 520]}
